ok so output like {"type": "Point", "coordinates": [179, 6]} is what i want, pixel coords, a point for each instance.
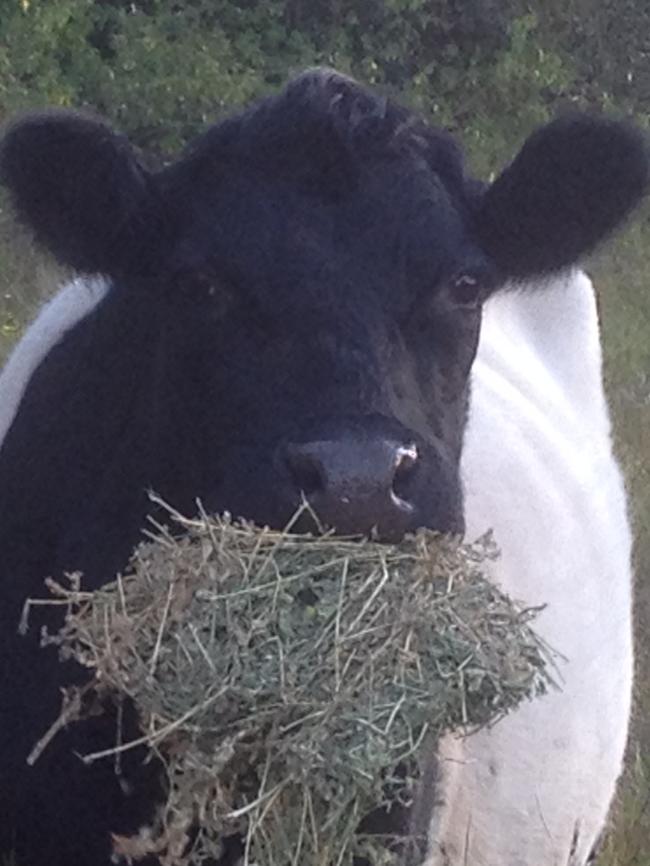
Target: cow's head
{"type": "Point", "coordinates": [315, 268]}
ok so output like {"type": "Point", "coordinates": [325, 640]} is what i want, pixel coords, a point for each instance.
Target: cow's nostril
{"type": "Point", "coordinates": [406, 463]}
{"type": "Point", "coordinates": [307, 471]}
{"type": "Point", "coordinates": [356, 484]}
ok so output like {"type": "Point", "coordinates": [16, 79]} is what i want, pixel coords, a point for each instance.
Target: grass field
{"type": "Point", "coordinates": [622, 275]}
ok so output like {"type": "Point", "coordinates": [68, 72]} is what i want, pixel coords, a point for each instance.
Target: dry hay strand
{"type": "Point", "coordinates": [291, 684]}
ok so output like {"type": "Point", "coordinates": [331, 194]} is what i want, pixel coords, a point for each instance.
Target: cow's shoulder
{"type": "Point", "coordinates": [72, 303]}
{"type": "Point", "coordinates": [538, 469]}
{"type": "Point", "coordinates": [540, 350]}
{"type": "Point", "coordinates": [538, 465]}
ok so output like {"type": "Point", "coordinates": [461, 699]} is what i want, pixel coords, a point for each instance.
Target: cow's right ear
{"type": "Point", "coordinates": [81, 189]}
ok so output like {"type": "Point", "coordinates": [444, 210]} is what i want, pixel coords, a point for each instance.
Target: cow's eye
{"type": "Point", "coordinates": [467, 290]}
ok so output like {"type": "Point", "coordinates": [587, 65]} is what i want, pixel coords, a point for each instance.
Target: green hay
{"type": "Point", "coordinates": [291, 684]}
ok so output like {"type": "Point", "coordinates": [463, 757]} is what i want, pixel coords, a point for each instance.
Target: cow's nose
{"type": "Point", "coordinates": [356, 485]}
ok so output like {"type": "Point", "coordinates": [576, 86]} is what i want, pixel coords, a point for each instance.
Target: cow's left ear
{"type": "Point", "coordinates": [81, 189]}
{"type": "Point", "coordinates": [571, 184]}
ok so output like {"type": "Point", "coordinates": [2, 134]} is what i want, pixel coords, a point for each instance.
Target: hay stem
{"type": "Point", "coordinates": [385, 575]}
{"type": "Point", "coordinates": [337, 625]}
{"type": "Point", "coordinates": [239, 813]}
{"type": "Point", "coordinates": [154, 737]}
{"type": "Point", "coordinates": [70, 711]}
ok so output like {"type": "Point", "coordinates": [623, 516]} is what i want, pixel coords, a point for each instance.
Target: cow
{"type": "Point", "coordinates": [317, 299]}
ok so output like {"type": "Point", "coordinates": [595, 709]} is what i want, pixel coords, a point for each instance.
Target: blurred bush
{"type": "Point", "coordinates": [162, 69]}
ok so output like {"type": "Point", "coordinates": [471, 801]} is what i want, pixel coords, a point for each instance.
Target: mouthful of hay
{"type": "Point", "coordinates": [293, 684]}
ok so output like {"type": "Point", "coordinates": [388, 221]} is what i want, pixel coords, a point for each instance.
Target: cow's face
{"type": "Point", "coordinates": [331, 303]}
{"type": "Point", "coordinates": [316, 268]}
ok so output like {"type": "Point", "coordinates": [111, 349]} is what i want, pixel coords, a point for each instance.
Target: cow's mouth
{"type": "Point", "coordinates": [355, 481]}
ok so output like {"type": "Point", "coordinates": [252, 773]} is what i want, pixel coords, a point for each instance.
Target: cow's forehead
{"type": "Point", "coordinates": [320, 183]}
{"type": "Point", "coordinates": [322, 124]}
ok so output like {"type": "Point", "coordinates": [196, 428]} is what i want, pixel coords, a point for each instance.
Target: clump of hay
{"type": "Point", "coordinates": [292, 684]}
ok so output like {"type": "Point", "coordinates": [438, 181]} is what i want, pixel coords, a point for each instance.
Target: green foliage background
{"type": "Point", "coordinates": [490, 70]}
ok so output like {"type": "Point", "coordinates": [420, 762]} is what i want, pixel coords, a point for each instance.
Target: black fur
{"type": "Point", "coordinates": [571, 184]}
{"type": "Point", "coordinates": [81, 189]}
{"type": "Point", "coordinates": [293, 278]}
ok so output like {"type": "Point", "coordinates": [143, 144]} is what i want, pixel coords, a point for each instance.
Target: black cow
{"type": "Point", "coordinates": [292, 307]}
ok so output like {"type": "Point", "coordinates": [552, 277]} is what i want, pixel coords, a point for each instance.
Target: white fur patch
{"type": "Point", "coordinates": [538, 468]}
{"type": "Point", "coordinates": [72, 303]}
